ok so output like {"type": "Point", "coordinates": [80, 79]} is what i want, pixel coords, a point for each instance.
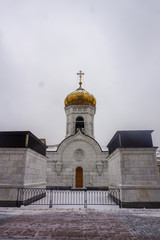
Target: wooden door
{"type": "Point", "coordinates": [79, 177]}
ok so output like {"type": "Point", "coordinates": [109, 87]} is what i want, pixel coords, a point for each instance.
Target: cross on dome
{"type": "Point", "coordinates": [80, 96]}
{"type": "Point", "coordinates": [80, 76]}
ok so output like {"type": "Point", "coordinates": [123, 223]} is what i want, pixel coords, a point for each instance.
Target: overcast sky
{"type": "Point", "coordinates": [44, 43]}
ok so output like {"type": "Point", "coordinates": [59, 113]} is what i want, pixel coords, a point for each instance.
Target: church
{"type": "Point", "coordinates": [78, 160]}
{"type": "Point", "coordinates": [129, 166]}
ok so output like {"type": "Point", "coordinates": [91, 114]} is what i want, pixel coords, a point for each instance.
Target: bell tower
{"type": "Point", "coordinates": [80, 108]}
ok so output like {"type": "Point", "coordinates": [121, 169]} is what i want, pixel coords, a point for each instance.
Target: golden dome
{"type": "Point", "coordinates": [80, 97]}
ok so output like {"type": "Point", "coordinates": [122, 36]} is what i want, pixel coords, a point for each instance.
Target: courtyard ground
{"type": "Point", "coordinates": [79, 223]}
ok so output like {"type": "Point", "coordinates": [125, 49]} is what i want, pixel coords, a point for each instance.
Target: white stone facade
{"type": "Point", "coordinates": [20, 167]}
{"type": "Point", "coordinates": [135, 172]}
{"type": "Point", "coordinates": [75, 151]}
{"type": "Point", "coordinates": [85, 111]}
{"type": "Point", "coordinates": [78, 149]}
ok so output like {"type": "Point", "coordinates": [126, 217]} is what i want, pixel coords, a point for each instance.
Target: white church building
{"type": "Point", "coordinates": [129, 165]}
{"type": "Point", "coordinates": [78, 160]}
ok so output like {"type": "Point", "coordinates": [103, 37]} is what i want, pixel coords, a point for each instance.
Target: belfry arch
{"type": "Point", "coordinates": [79, 124]}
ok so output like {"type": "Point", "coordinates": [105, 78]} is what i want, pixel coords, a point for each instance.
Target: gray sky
{"type": "Point", "coordinates": [44, 43]}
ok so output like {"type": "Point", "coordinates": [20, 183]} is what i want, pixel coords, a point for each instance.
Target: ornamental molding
{"type": "Point", "coordinates": [99, 166]}
{"type": "Point", "coordinates": [59, 167]}
{"type": "Point", "coordinates": [79, 155]}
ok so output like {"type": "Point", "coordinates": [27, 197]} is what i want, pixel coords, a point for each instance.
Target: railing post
{"type": "Point", "coordinates": [18, 196]}
{"type": "Point", "coordinates": [120, 203]}
{"type": "Point", "coordinates": [51, 199]}
{"type": "Point", "coordinates": [85, 198]}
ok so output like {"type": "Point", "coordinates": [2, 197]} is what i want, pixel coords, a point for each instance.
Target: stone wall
{"type": "Point", "coordinates": [135, 172]}
{"type": "Point", "coordinates": [35, 170]}
{"type": "Point", "coordinates": [20, 167]}
{"type": "Point", "coordinates": [12, 166]}
{"type": "Point", "coordinates": [114, 169]}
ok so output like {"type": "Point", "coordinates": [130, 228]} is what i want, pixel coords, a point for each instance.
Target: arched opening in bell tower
{"type": "Point", "coordinates": [79, 124]}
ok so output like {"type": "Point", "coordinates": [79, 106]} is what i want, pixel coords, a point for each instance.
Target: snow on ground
{"type": "Point", "coordinates": [34, 210]}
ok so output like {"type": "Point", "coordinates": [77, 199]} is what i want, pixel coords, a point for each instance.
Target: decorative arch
{"type": "Point", "coordinates": [79, 137]}
{"type": "Point", "coordinates": [79, 177]}
{"type": "Point", "coordinates": [79, 124]}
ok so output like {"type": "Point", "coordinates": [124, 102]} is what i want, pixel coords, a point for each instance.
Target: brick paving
{"type": "Point", "coordinates": [82, 224]}
{"type": "Point", "coordinates": [141, 227]}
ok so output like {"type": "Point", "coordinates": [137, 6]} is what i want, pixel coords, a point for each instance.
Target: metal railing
{"type": "Point", "coordinates": [51, 197]}
{"type": "Point", "coordinates": [114, 194]}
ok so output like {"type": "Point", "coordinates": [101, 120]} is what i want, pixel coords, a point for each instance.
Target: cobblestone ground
{"type": "Point", "coordinates": [80, 224]}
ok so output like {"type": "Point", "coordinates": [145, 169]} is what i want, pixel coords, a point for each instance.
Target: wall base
{"type": "Point", "coordinates": [139, 204]}
{"type": "Point", "coordinates": [8, 203]}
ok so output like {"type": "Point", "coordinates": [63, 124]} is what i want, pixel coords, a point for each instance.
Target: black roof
{"type": "Point", "coordinates": [22, 139]}
{"type": "Point", "coordinates": [130, 138]}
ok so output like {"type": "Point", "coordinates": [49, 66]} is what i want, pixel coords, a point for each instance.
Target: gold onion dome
{"type": "Point", "coordinates": [80, 96]}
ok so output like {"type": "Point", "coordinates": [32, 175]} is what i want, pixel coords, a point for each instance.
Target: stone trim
{"type": "Point", "coordinates": [20, 151]}
{"type": "Point", "coordinates": [130, 187]}
{"type": "Point", "coordinates": [151, 149]}
{"type": "Point", "coordinates": [22, 185]}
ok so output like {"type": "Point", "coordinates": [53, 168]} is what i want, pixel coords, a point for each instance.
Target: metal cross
{"type": "Point", "coordinates": [80, 75]}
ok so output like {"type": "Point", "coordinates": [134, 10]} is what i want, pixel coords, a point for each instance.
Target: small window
{"type": "Point", "coordinates": [79, 124]}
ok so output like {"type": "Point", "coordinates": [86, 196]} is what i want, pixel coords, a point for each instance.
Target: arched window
{"type": "Point", "coordinates": [79, 124]}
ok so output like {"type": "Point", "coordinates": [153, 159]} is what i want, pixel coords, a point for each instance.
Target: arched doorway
{"type": "Point", "coordinates": [79, 177]}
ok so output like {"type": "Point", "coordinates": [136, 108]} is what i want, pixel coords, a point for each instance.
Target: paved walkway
{"type": "Point", "coordinates": [79, 224]}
